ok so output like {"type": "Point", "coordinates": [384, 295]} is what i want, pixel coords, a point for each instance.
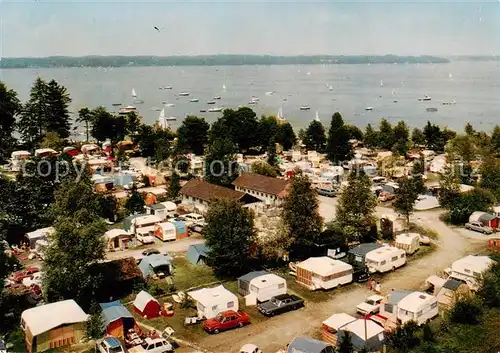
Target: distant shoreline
{"type": "Point", "coordinates": [212, 60]}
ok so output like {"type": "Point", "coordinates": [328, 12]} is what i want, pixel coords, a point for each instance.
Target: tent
{"type": "Point", "coordinates": [117, 319]}
{"type": "Point", "coordinates": [53, 325]}
{"type": "Point", "coordinates": [364, 333]}
{"type": "Point", "coordinates": [331, 326]}
{"type": "Point", "coordinates": [309, 345]}
{"type": "Point", "coordinates": [197, 253]}
{"type": "Point", "coordinates": [147, 306]}
{"type": "Point", "coordinates": [155, 264]}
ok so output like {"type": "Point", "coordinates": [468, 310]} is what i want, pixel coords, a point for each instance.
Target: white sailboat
{"type": "Point", "coordinates": [134, 95]}
{"type": "Point", "coordinates": [279, 116]}
{"type": "Point", "coordinates": [162, 121]}
{"type": "Point", "coordinates": [381, 83]}
{"type": "Point", "coordinates": [224, 87]}
{"type": "Point", "coordinates": [317, 116]}
{"type": "Point", "coordinates": [450, 75]}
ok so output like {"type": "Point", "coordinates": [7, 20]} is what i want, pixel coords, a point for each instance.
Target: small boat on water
{"type": "Point", "coordinates": [279, 116]}
{"type": "Point", "coordinates": [169, 105]}
{"type": "Point", "coordinates": [217, 97]}
{"type": "Point", "coordinates": [156, 109]}
{"type": "Point", "coordinates": [162, 121]}
{"type": "Point", "coordinates": [252, 102]}
{"type": "Point", "coordinates": [305, 107]}
{"type": "Point", "coordinates": [116, 104]}
{"type": "Point", "coordinates": [369, 108]}
{"type": "Point", "coordinates": [285, 99]}
{"type": "Point", "coordinates": [426, 98]}
{"type": "Point", "coordinates": [452, 102]}
{"type": "Point", "coordinates": [183, 94]}
{"type": "Point", "coordinates": [167, 87]}
{"type": "Point", "coordinates": [134, 94]}
{"type": "Point", "coordinates": [431, 109]}
{"type": "Point", "coordinates": [138, 101]}
{"type": "Point", "coordinates": [270, 93]}
{"type": "Point", "coordinates": [395, 101]}
{"type": "Point", "coordinates": [194, 100]}
{"type": "Point", "coordinates": [215, 110]}
{"type": "Point", "coordinates": [203, 110]}
{"type": "Point", "coordinates": [127, 109]}
{"type": "Point", "coordinates": [223, 87]}
{"type": "Point", "coordinates": [256, 99]}
{"type": "Point", "coordinates": [171, 118]}
{"type": "Point", "coordinates": [381, 83]}
{"type": "Point", "coordinates": [211, 102]}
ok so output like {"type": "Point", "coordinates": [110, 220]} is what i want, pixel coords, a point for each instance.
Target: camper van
{"type": "Point", "coordinates": [263, 285]}
{"type": "Point", "coordinates": [385, 259]}
{"type": "Point", "coordinates": [165, 231]}
{"type": "Point", "coordinates": [409, 242]}
{"type": "Point", "coordinates": [417, 306]}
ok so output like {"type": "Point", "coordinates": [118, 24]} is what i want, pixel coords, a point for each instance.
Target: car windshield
{"type": "Point", "coordinates": [371, 302]}
{"type": "Point", "coordinates": [219, 318]}
{"type": "Point", "coordinates": [275, 301]}
{"type": "Point", "coordinates": [116, 350]}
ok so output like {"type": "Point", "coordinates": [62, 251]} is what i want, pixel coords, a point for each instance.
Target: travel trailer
{"type": "Point", "coordinates": [470, 269]}
{"type": "Point", "coordinates": [17, 159]}
{"type": "Point", "coordinates": [165, 231]}
{"type": "Point", "coordinates": [409, 242]}
{"type": "Point", "coordinates": [211, 301]}
{"type": "Point", "coordinates": [385, 259]}
{"type": "Point", "coordinates": [262, 284]}
{"type": "Point", "coordinates": [162, 210]}
{"type": "Point", "coordinates": [323, 273]}
{"type": "Point", "coordinates": [417, 306]}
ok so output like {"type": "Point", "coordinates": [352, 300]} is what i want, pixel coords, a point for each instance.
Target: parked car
{"type": "Point", "coordinates": [280, 304]}
{"type": "Point", "coordinates": [110, 345]}
{"type": "Point", "coordinates": [385, 196]}
{"type": "Point", "coordinates": [478, 227]}
{"type": "Point", "coordinates": [424, 240]}
{"type": "Point", "coordinates": [197, 228]}
{"type": "Point", "coordinates": [360, 275]}
{"type": "Point", "coordinates": [150, 251]}
{"type": "Point", "coordinates": [250, 348]}
{"type": "Point", "coordinates": [226, 320]}
{"type": "Point", "coordinates": [153, 345]}
{"type": "Point", "coordinates": [371, 305]}
{"type": "Point", "coordinates": [326, 192]}
{"type": "Point", "coordinates": [145, 238]}
{"type": "Point", "coordinates": [192, 218]}
{"type": "Point", "coordinates": [27, 272]}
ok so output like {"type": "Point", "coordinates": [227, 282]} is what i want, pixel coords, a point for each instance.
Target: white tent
{"type": "Point", "coordinates": [211, 301]}
{"type": "Point", "coordinates": [364, 333]}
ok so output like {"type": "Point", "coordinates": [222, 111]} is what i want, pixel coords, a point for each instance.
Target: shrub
{"type": "Point", "coordinates": [467, 311]}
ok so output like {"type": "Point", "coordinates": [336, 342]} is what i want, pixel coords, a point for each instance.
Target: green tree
{"type": "Point", "coordinates": [315, 136]}
{"type": "Point", "coordinates": [401, 136]}
{"type": "Point", "coordinates": [490, 288]}
{"type": "Point", "coordinates": [263, 168]}
{"type": "Point", "coordinates": [268, 129]}
{"type": "Point", "coordinates": [57, 119]}
{"type": "Point", "coordinates": [469, 130]}
{"type": "Point", "coordinates": [85, 117]}
{"type": "Point", "coordinates": [403, 339]}
{"type": "Point", "coordinates": [52, 140]}
{"type": "Point", "coordinates": [356, 207]}
{"type": "Point", "coordinates": [418, 137]}
{"type": "Point", "coordinates": [417, 175]}
{"type": "Point", "coordinates": [285, 136]}
{"type": "Point", "coordinates": [271, 153]}
{"type": "Point", "coordinates": [192, 135]}
{"type": "Point", "coordinates": [371, 137]}
{"type": "Point", "coordinates": [95, 326]}
{"type": "Point", "coordinates": [32, 122]}
{"type": "Point", "coordinates": [301, 215]}
{"type": "Point", "coordinates": [449, 184]}
{"type": "Point", "coordinates": [302, 136]}
{"type": "Point", "coordinates": [345, 344]}
{"type": "Point", "coordinates": [220, 165]}
{"type": "Point", "coordinates": [463, 146]}
{"type": "Point", "coordinates": [108, 205]}
{"type": "Point", "coordinates": [406, 195]}
{"type": "Point", "coordinates": [229, 235]}
{"type": "Point", "coordinates": [135, 202]}
{"type": "Point", "coordinates": [103, 125]}
{"type": "Point", "coordinates": [386, 136]}
{"type": "Point", "coordinates": [338, 148]}
{"type": "Point", "coordinates": [490, 176]}
{"type": "Point", "coordinates": [174, 186]}
{"type": "Point", "coordinates": [495, 138]}
{"type": "Point", "coordinates": [462, 206]}
{"type": "Point", "coordinates": [354, 132]}
{"type": "Point", "coordinates": [10, 107]}
{"type": "Point", "coordinates": [467, 311]}
{"type": "Point", "coordinates": [240, 126]}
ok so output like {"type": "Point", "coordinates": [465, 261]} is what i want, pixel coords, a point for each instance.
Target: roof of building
{"type": "Point", "coordinates": [413, 301]}
{"type": "Point", "coordinates": [452, 284]}
{"type": "Point", "coordinates": [113, 311]}
{"type": "Point", "coordinates": [324, 265]}
{"type": "Point", "coordinates": [336, 321]}
{"type": "Point", "coordinates": [43, 318]}
{"type": "Point", "coordinates": [306, 345]}
{"type": "Point", "coordinates": [142, 299]}
{"type": "Point", "coordinates": [40, 233]}
{"type": "Point", "coordinates": [261, 183]}
{"type": "Point", "coordinates": [202, 190]}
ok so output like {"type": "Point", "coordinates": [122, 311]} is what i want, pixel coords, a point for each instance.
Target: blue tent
{"type": "Point", "coordinates": [197, 253]}
{"type": "Point", "coordinates": [151, 264]}
{"type": "Point", "coordinates": [309, 345]}
{"type": "Point", "coordinates": [118, 320]}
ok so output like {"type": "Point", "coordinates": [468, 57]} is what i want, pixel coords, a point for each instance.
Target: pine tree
{"type": "Point", "coordinates": [301, 216]}
{"type": "Point", "coordinates": [32, 123]}
{"type": "Point", "coordinates": [10, 107]}
{"type": "Point", "coordinates": [356, 206]}
{"type": "Point", "coordinates": [345, 344]}
{"type": "Point", "coordinates": [338, 148]}
{"type": "Point", "coordinates": [386, 136]}
{"type": "Point", "coordinates": [370, 138]}
{"type": "Point", "coordinates": [417, 174]}
{"type": "Point", "coordinates": [58, 118]}
{"type": "Point", "coordinates": [174, 186]}
{"type": "Point", "coordinates": [417, 137]}
{"type": "Point", "coordinates": [401, 137]}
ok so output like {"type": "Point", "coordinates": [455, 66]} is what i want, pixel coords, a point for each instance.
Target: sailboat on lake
{"type": "Point", "coordinates": [162, 121]}
{"type": "Point", "coordinates": [134, 95]}
{"type": "Point", "coordinates": [317, 116]}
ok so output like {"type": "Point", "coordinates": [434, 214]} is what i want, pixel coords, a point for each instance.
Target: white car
{"type": "Point", "coordinates": [371, 305]}
{"type": "Point", "coordinates": [250, 348]}
{"type": "Point", "coordinates": [35, 278]}
{"type": "Point", "coordinates": [192, 218]}
{"type": "Point", "coordinates": [424, 240]}
{"type": "Point", "coordinates": [153, 345]}
{"type": "Point", "coordinates": [145, 238]}
{"type": "Point", "coordinates": [110, 345]}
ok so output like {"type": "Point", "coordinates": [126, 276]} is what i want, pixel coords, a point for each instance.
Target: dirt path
{"type": "Point", "coordinates": [275, 333]}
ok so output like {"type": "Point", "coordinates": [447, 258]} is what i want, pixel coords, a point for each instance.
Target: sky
{"type": "Point", "coordinates": [37, 28]}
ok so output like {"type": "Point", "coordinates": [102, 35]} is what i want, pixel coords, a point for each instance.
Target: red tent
{"type": "Point", "coordinates": [147, 306]}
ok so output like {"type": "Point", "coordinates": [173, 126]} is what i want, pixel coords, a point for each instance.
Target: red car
{"type": "Point", "coordinates": [27, 272]}
{"type": "Point", "coordinates": [226, 320]}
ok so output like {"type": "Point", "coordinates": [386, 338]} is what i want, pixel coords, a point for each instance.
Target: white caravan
{"type": "Point", "coordinates": [385, 259]}
{"type": "Point", "coordinates": [419, 307]}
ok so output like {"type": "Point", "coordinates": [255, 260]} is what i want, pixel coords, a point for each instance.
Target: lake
{"type": "Point", "coordinates": [475, 86]}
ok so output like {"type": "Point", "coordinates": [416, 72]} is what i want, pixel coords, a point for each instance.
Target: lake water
{"type": "Point", "coordinates": [475, 86]}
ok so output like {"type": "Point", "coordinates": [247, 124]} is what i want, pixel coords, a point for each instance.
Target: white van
{"type": "Point", "coordinates": [385, 259]}
{"type": "Point", "coordinates": [193, 218]}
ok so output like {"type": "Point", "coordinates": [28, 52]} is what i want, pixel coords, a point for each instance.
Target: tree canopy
{"type": "Point", "coordinates": [338, 148]}
{"type": "Point", "coordinates": [220, 165]}
{"type": "Point", "coordinates": [192, 135]}
{"type": "Point", "coordinates": [315, 138]}
{"type": "Point", "coordinates": [406, 195]}
{"type": "Point", "coordinates": [10, 107]}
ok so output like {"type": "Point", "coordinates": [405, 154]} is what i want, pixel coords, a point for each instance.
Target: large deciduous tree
{"type": "Point", "coordinates": [263, 168]}
{"type": "Point", "coordinates": [386, 137]}
{"type": "Point", "coordinates": [174, 186]}
{"type": "Point", "coordinates": [192, 135]}
{"type": "Point", "coordinates": [301, 215]}
{"type": "Point", "coordinates": [356, 206]}
{"type": "Point", "coordinates": [338, 148]}
{"type": "Point", "coordinates": [406, 195]}
{"type": "Point", "coordinates": [417, 137]}
{"type": "Point", "coordinates": [220, 165]}
{"type": "Point", "coordinates": [135, 202]}
{"type": "Point", "coordinates": [370, 138]}
{"type": "Point", "coordinates": [240, 126]}
{"type": "Point", "coordinates": [229, 235]}
{"type": "Point", "coordinates": [401, 137]}
{"type": "Point", "coordinates": [268, 128]}
{"type": "Point", "coordinates": [285, 136]}
{"type": "Point", "coordinates": [315, 136]}
{"type": "Point", "coordinates": [490, 176]}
